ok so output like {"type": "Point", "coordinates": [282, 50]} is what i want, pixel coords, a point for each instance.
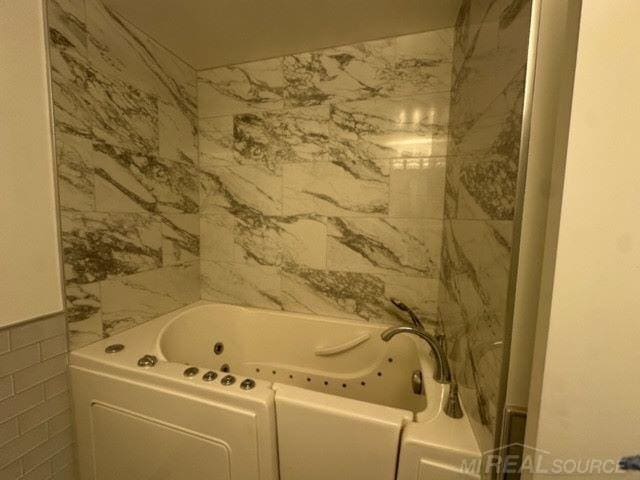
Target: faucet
{"type": "Point", "coordinates": [442, 373]}
{"type": "Point", "coordinates": [414, 318]}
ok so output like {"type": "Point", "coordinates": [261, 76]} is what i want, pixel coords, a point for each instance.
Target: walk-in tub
{"type": "Point", "coordinates": [216, 391]}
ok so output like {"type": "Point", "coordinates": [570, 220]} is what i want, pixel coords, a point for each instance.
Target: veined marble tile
{"type": "Point", "coordinates": [178, 133]}
{"type": "Point", "coordinates": [242, 190]}
{"type": "Point", "coordinates": [407, 65]}
{"type": "Point", "coordinates": [83, 314]}
{"type": "Point", "coordinates": [67, 22]}
{"type": "Point", "coordinates": [478, 266]}
{"type": "Point", "coordinates": [243, 88]}
{"type": "Point", "coordinates": [180, 238]}
{"type": "Point", "coordinates": [75, 172]}
{"type": "Point", "coordinates": [339, 74]}
{"type": "Point", "coordinates": [97, 246]}
{"type": "Point", "coordinates": [264, 240]}
{"type": "Point", "coordinates": [215, 138]}
{"type": "Point", "coordinates": [303, 241]}
{"type": "Point", "coordinates": [126, 182]}
{"type": "Point", "coordinates": [338, 294]}
{"type": "Point", "coordinates": [391, 128]}
{"type": "Point", "coordinates": [417, 187]}
{"type": "Point", "coordinates": [120, 51]}
{"type": "Point", "coordinates": [69, 66]}
{"type": "Point", "coordinates": [286, 136]}
{"type": "Point", "coordinates": [481, 188]}
{"type": "Point", "coordinates": [423, 62]}
{"type": "Point", "coordinates": [338, 188]}
{"type": "Point", "coordinates": [249, 285]}
{"type": "Point", "coordinates": [384, 245]}
{"type": "Point", "coordinates": [494, 128]}
{"type": "Point", "coordinates": [419, 293]}
{"type": "Point", "coordinates": [129, 301]}
{"type": "Point", "coordinates": [217, 237]}
{"type": "Point", "coordinates": [122, 115]}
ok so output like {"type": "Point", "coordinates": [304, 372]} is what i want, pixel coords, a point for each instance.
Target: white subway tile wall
{"type": "Point", "coordinates": [35, 408]}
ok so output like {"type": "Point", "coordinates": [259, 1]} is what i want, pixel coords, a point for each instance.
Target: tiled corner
{"type": "Point", "coordinates": [127, 157]}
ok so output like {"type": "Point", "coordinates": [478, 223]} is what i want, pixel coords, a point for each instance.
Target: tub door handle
{"type": "Point", "coordinates": [342, 347]}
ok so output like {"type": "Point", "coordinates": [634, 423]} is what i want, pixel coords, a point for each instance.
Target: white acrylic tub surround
{"type": "Point", "coordinates": [343, 400]}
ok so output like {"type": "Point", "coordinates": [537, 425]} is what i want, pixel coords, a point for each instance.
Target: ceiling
{"type": "Point", "coordinates": [209, 33]}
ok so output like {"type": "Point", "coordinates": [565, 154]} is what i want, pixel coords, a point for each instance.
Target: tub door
{"type": "Point", "coordinates": [323, 436]}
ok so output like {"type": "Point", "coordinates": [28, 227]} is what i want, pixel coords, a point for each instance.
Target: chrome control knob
{"type": "Point", "coordinates": [190, 372]}
{"type": "Point", "coordinates": [115, 348]}
{"type": "Point", "coordinates": [228, 380]}
{"type": "Point", "coordinates": [148, 361]}
{"type": "Point", "coordinates": [210, 376]}
{"type": "Point", "coordinates": [247, 384]}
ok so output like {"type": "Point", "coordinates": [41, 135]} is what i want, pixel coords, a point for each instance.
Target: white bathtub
{"type": "Point", "coordinates": [328, 400]}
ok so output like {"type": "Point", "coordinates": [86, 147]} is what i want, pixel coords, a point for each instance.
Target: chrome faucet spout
{"type": "Point", "coordinates": [442, 373]}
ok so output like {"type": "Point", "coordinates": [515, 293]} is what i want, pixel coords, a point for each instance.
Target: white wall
{"type": "Point", "coordinates": [29, 260]}
{"type": "Point", "coordinates": [587, 403]}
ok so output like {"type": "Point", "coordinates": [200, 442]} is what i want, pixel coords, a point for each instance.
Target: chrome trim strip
{"type": "Point", "coordinates": [54, 160]}
{"type": "Point", "coordinates": [523, 159]}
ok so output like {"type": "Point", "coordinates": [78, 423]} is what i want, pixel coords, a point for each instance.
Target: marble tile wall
{"type": "Point", "coordinates": [125, 118]}
{"type": "Point", "coordinates": [489, 66]}
{"type": "Point", "coordinates": [322, 178]}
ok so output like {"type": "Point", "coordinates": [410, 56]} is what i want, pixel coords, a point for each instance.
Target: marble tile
{"type": "Point", "coordinates": [384, 246]}
{"type": "Point", "coordinates": [419, 293]}
{"type": "Point", "coordinates": [342, 294]}
{"type": "Point", "coordinates": [177, 133]}
{"type": "Point", "coordinates": [494, 128]}
{"type": "Point", "coordinates": [481, 188]}
{"type": "Point", "coordinates": [120, 51]}
{"type": "Point", "coordinates": [121, 115]}
{"type": "Point", "coordinates": [75, 172]}
{"type": "Point", "coordinates": [69, 65]}
{"type": "Point", "coordinates": [489, 64]}
{"type": "Point", "coordinates": [390, 128]}
{"type": "Point", "coordinates": [287, 136]}
{"type": "Point", "coordinates": [242, 190]}
{"type": "Point", "coordinates": [407, 65]}
{"type": "Point", "coordinates": [264, 240]}
{"type": "Point", "coordinates": [338, 188]}
{"type": "Point", "coordinates": [97, 246]}
{"type": "Point", "coordinates": [476, 266]}
{"type": "Point", "coordinates": [215, 139]}
{"type": "Point", "coordinates": [250, 285]}
{"type": "Point", "coordinates": [180, 238]}
{"type": "Point", "coordinates": [417, 187]}
{"type": "Point", "coordinates": [126, 182]}
{"type": "Point", "coordinates": [303, 241]}
{"type": "Point", "coordinates": [423, 63]}
{"type": "Point", "coordinates": [339, 74]}
{"type": "Point", "coordinates": [243, 88]}
{"type": "Point", "coordinates": [217, 237]}
{"type": "Point", "coordinates": [134, 299]}
{"type": "Point", "coordinates": [67, 24]}
{"type": "Point", "coordinates": [83, 313]}
{"type": "Point", "coordinates": [479, 262]}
